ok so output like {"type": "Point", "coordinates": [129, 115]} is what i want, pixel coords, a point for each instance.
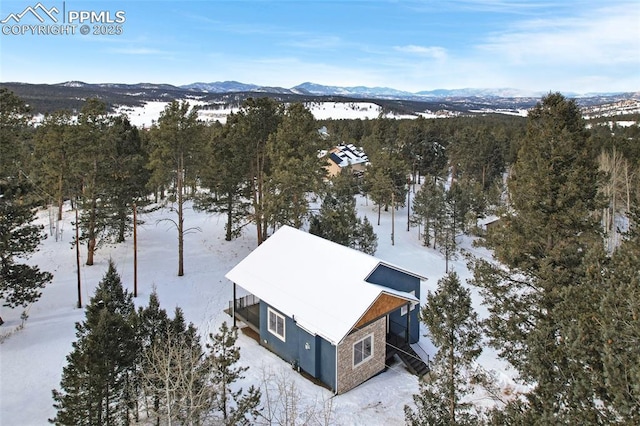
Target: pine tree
{"type": "Point", "coordinates": [20, 284]}
{"type": "Point", "coordinates": [100, 369]}
{"type": "Point", "coordinates": [365, 238]}
{"type": "Point", "coordinates": [543, 298]}
{"type": "Point", "coordinates": [337, 220]}
{"type": "Point", "coordinates": [234, 407]}
{"type": "Point", "coordinates": [454, 328]}
{"type": "Point", "coordinates": [295, 168]}
{"type": "Point", "coordinates": [226, 174]}
{"type": "Point", "coordinates": [153, 324]}
{"type": "Point", "coordinates": [174, 159]}
{"type": "Point", "coordinates": [54, 152]}
{"type": "Point", "coordinates": [428, 209]}
{"type": "Point", "coordinates": [259, 120]}
{"type": "Point", "coordinates": [619, 321]}
{"type": "Point", "coordinates": [386, 180]}
{"type": "Point", "coordinates": [90, 166]}
{"type": "Point", "coordinates": [15, 133]}
{"type": "Point", "coordinates": [127, 176]}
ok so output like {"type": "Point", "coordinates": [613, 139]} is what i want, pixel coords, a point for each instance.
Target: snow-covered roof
{"type": "Point", "coordinates": [345, 155]}
{"type": "Point", "coordinates": [318, 283]}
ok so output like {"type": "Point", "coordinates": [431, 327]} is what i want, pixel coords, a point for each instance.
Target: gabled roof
{"type": "Point", "coordinates": [318, 283]}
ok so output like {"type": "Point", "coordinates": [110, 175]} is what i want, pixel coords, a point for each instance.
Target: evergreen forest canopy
{"type": "Point", "coordinates": [563, 290]}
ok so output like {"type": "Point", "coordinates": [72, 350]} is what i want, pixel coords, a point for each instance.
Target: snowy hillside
{"type": "Point", "coordinates": [144, 116]}
{"type": "Point", "coordinates": [33, 358]}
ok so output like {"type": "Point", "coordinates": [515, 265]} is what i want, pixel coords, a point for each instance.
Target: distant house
{"type": "Point", "coordinates": [342, 156]}
{"type": "Point", "coordinates": [334, 313]}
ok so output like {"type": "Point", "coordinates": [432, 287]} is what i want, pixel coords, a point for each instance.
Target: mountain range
{"type": "Point", "coordinates": [70, 95]}
{"type": "Point", "coordinates": [315, 89]}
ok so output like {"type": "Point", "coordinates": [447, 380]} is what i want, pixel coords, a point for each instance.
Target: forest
{"type": "Point", "coordinates": [563, 287]}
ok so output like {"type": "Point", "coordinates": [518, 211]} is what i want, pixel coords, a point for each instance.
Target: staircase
{"type": "Point", "coordinates": [396, 345]}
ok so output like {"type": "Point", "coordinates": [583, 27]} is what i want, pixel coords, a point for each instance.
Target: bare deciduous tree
{"type": "Point", "coordinates": [283, 406]}
{"type": "Point", "coordinates": [176, 371]}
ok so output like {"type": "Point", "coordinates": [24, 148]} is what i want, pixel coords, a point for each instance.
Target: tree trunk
{"type": "Point", "coordinates": [60, 198]}
{"type": "Point", "coordinates": [180, 217]}
{"type": "Point", "coordinates": [452, 395]}
{"type": "Point", "coordinates": [91, 226]}
{"type": "Point", "coordinates": [122, 222]}
{"type": "Point", "coordinates": [91, 231]}
{"type": "Point", "coordinates": [261, 227]}
{"type": "Point", "coordinates": [229, 216]}
{"type": "Point", "coordinates": [91, 248]}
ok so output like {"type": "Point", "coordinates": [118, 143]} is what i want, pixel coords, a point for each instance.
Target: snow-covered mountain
{"type": "Point", "coordinates": [356, 91]}
{"type": "Point", "coordinates": [227, 95]}
{"type": "Point", "coordinates": [221, 87]}
{"type": "Point", "coordinates": [481, 93]}
{"type": "Point", "coordinates": [314, 89]}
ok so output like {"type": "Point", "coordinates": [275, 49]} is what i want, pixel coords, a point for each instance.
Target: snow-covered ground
{"type": "Point", "coordinates": [32, 358]}
{"type": "Point", "coordinates": [144, 116]}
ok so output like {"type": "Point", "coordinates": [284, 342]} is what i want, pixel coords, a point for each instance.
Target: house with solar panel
{"type": "Point", "coordinates": [337, 315]}
{"type": "Point", "coordinates": [341, 156]}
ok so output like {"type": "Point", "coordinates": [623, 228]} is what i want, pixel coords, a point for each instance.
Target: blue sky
{"type": "Point", "coordinates": [541, 45]}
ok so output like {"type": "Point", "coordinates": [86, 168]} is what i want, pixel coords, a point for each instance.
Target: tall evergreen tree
{"type": "Point", "coordinates": [536, 303]}
{"type": "Point", "coordinates": [455, 330]}
{"type": "Point", "coordinates": [90, 166]}
{"type": "Point", "coordinates": [97, 378]}
{"type": "Point", "coordinates": [54, 152]}
{"type": "Point", "coordinates": [233, 406]}
{"type": "Point", "coordinates": [618, 311]}
{"type": "Point", "coordinates": [175, 158]}
{"type": "Point", "coordinates": [15, 132]}
{"type": "Point", "coordinates": [295, 168]}
{"type": "Point", "coordinates": [338, 221]}
{"type": "Point", "coordinates": [227, 174]}
{"type": "Point", "coordinates": [20, 284]}
{"type": "Point", "coordinates": [428, 209]}
{"type": "Point", "coordinates": [153, 325]}
{"type": "Point", "coordinates": [423, 148]}
{"type": "Point", "coordinates": [386, 180]}
{"type": "Point", "coordinates": [126, 177]}
{"type": "Point", "coordinates": [260, 119]}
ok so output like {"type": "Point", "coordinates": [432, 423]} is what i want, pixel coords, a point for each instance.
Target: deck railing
{"type": "Point", "coordinates": [246, 301]}
{"type": "Point", "coordinates": [247, 309]}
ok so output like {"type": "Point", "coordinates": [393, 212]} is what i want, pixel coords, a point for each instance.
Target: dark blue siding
{"type": "Point", "coordinates": [401, 281]}
{"type": "Point", "coordinates": [327, 353]}
{"type": "Point", "coordinates": [318, 360]}
{"type": "Point", "coordinates": [308, 353]}
{"type": "Point", "coordinates": [287, 350]}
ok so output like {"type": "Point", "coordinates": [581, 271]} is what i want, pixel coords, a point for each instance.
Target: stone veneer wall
{"type": "Point", "coordinates": [349, 376]}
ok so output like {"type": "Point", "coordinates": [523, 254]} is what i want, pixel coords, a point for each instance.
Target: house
{"type": "Point", "coordinates": [342, 156]}
{"type": "Point", "coordinates": [334, 313]}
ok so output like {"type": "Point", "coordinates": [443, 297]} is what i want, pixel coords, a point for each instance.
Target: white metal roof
{"type": "Point", "coordinates": [318, 283]}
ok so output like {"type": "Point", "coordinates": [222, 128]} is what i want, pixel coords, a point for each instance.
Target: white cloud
{"type": "Point", "coordinates": [602, 36]}
{"type": "Point", "coordinates": [435, 52]}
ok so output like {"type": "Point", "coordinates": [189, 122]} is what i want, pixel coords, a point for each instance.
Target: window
{"type": "Point", "coordinates": [362, 350]}
{"type": "Point", "coordinates": [276, 324]}
{"type": "Point", "coordinates": [403, 309]}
